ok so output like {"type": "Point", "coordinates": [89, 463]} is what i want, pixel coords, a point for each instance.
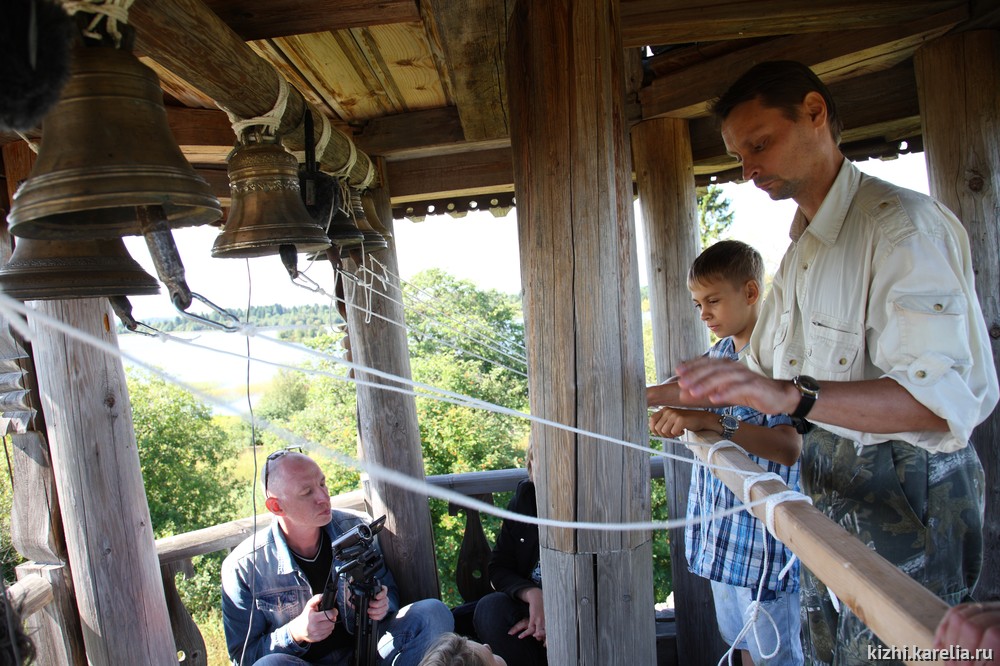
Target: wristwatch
{"type": "Point", "coordinates": [809, 392]}
{"type": "Point", "coordinates": [729, 424]}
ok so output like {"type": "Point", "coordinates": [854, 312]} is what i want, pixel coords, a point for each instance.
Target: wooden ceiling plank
{"type": "Point", "coordinates": [473, 35]}
{"type": "Point", "coordinates": [266, 19]}
{"type": "Point", "coordinates": [400, 57]}
{"type": "Point", "coordinates": [833, 56]}
{"type": "Point", "coordinates": [460, 174]}
{"type": "Point", "coordinates": [657, 22]}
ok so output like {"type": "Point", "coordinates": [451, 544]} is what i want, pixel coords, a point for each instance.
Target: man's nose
{"type": "Point", "coordinates": [750, 171]}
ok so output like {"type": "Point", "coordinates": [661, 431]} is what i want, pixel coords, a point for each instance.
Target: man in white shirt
{"type": "Point", "coordinates": [874, 331]}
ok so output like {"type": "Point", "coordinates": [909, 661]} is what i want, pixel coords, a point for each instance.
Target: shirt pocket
{"type": "Point", "coordinates": [281, 604]}
{"type": "Point", "coordinates": [834, 347]}
{"type": "Point", "coordinates": [934, 323]}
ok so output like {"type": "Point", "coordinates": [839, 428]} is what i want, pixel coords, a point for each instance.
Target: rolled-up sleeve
{"type": "Point", "coordinates": [926, 332]}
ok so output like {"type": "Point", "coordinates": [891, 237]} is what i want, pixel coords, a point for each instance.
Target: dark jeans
{"type": "Point", "coordinates": [495, 614]}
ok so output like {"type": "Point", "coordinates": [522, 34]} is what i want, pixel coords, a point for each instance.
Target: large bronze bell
{"type": "Point", "coordinates": [41, 270]}
{"type": "Point", "coordinates": [106, 149]}
{"type": "Point", "coordinates": [267, 211]}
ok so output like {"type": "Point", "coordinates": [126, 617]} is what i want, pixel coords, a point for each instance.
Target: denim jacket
{"type": "Point", "coordinates": [264, 565]}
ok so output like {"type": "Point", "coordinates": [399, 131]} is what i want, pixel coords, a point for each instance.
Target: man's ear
{"type": "Point", "coordinates": [815, 107]}
{"type": "Point", "coordinates": [752, 291]}
{"type": "Point", "coordinates": [274, 506]}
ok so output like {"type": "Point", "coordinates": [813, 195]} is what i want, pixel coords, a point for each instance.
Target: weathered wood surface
{"type": "Point", "coordinates": [30, 594]}
{"type": "Point", "coordinates": [658, 22]}
{"type": "Point", "coordinates": [473, 35]}
{"type": "Point", "coordinates": [102, 499]}
{"type": "Point", "coordinates": [55, 629]}
{"type": "Point", "coordinates": [661, 154]}
{"type": "Point", "coordinates": [387, 421]}
{"type": "Point", "coordinates": [565, 85]}
{"type": "Point", "coordinates": [36, 524]}
{"type": "Point", "coordinates": [451, 175]}
{"type": "Point", "coordinates": [833, 56]}
{"type": "Point", "coordinates": [259, 19]}
{"type": "Point", "coordinates": [185, 37]}
{"type": "Point", "coordinates": [188, 640]}
{"type": "Point", "coordinates": [958, 78]}
{"type": "Point", "coordinates": [897, 608]}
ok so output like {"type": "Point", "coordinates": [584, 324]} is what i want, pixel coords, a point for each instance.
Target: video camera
{"type": "Point", "coordinates": [362, 560]}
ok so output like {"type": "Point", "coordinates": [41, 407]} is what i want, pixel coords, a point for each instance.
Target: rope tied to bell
{"type": "Point", "coordinates": [113, 11]}
{"type": "Point", "coordinates": [269, 121]}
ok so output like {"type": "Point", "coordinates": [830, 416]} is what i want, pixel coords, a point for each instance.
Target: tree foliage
{"type": "Point", "coordinates": [184, 457]}
{"type": "Point", "coordinates": [714, 216]}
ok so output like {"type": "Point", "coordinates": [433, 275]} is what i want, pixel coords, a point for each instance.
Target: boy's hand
{"type": "Point", "coordinates": [669, 422]}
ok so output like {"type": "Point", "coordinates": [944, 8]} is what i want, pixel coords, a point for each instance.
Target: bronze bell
{"type": "Point", "coordinates": [373, 239]}
{"type": "Point", "coordinates": [372, 216]}
{"type": "Point", "coordinates": [41, 270]}
{"type": "Point", "coordinates": [106, 149]}
{"type": "Point", "coordinates": [343, 232]}
{"type": "Point", "coordinates": [267, 211]}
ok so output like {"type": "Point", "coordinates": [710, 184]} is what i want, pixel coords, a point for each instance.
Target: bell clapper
{"type": "Point", "coordinates": [163, 250]}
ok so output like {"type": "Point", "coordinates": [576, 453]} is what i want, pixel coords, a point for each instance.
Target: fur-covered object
{"type": "Point", "coordinates": [35, 38]}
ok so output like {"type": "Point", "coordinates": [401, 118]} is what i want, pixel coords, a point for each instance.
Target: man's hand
{"type": "Point", "coordinates": [312, 624]}
{"type": "Point", "coordinates": [722, 382]}
{"type": "Point", "coordinates": [534, 624]}
{"type": "Point", "coordinates": [669, 422]}
{"type": "Point", "coordinates": [972, 626]}
{"type": "Point", "coordinates": [378, 606]}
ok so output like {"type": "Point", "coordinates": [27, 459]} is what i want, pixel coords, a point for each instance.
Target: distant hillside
{"type": "Point", "coordinates": [303, 317]}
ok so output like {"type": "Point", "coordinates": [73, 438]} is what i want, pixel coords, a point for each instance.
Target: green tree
{"type": "Point", "coordinates": [183, 455]}
{"type": "Point", "coordinates": [287, 394]}
{"type": "Point", "coordinates": [714, 216]}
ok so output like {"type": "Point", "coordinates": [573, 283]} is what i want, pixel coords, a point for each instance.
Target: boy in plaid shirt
{"type": "Point", "coordinates": [733, 552]}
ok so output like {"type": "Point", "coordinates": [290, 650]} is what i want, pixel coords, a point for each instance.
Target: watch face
{"type": "Point", "coordinates": [807, 384]}
{"type": "Point", "coordinates": [729, 422]}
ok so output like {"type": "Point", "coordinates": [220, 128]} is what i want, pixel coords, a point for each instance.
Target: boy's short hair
{"type": "Point", "coordinates": [730, 260]}
{"type": "Point", "coordinates": [779, 84]}
{"type": "Point", "coordinates": [450, 649]}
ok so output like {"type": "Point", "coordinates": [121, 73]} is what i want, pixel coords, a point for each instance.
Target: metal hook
{"type": "Point", "coordinates": [230, 328]}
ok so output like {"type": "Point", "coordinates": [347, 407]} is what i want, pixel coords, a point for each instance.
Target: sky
{"type": "Point", "coordinates": [478, 247]}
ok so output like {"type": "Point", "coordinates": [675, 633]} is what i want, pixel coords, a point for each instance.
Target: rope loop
{"type": "Point", "coordinates": [268, 122]}
{"type": "Point", "coordinates": [114, 11]}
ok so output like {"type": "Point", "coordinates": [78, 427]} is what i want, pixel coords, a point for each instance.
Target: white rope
{"type": "Point", "coordinates": [345, 169]}
{"type": "Point", "coordinates": [269, 121]}
{"type": "Point", "coordinates": [114, 11]}
{"type": "Point", "coordinates": [369, 177]}
{"type": "Point", "coordinates": [33, 145]}
{"type": "Point", "coordinates": [324, 137]}
{"type": "Point", "coordinates": [493, 344]}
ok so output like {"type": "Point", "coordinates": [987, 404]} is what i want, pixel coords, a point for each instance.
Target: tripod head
{"type": "Point", "coordinates": [362, 560]}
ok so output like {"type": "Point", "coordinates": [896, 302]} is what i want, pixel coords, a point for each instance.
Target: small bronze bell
{"type": "Point", "coordinates": [267, 211]}
{"type": "Point", "coordinates": [373, 239]}
{"type": "Point", "coordinates": [372, 216]}
{"type": "Point", "coordinates": [107, 149]}
{"type": "Point", "coordinates": [42, 270]}
{"type": "Point", "coordinates": [343, 232]}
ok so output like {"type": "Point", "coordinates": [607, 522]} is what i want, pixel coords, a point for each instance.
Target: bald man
{"type": "Point", "coordinates": [273, 582]}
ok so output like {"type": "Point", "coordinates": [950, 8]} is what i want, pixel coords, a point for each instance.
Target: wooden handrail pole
{"type": "Point", "coordinates": [30, 595]}
{"type": "Point", "coordinates": [901, 611]}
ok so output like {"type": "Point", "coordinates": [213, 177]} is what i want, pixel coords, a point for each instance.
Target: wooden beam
{"type": "Point", "coordinates": [263, 19]}
{"type": "Point", "coordinates": [451, 175]}
{"type": "Point", "coordinates": [29, 594]}
{"type": "Point", "coordinates": [186, 38]}
{"type": "Point", "coordinates": [834, 56]}
{"type": "Point", "coordinates": [473, 35]}
{"type": "Point", "coordinates": [897, 608]}
{"type": "Point", "coordinates": [650, 22]}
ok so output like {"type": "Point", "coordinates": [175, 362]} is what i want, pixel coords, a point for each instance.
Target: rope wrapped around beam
{"type": "Point", "coordinates": [188, 39]}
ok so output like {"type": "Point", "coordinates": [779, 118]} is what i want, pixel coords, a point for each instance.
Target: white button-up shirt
{"type": "Point", "coordinates": [880, 284]}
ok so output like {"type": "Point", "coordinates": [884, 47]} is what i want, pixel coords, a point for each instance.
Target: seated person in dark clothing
{"type": "Point", "coordinates": [272, 584]}
{"type": "Point", "coordinates": [512, 619]}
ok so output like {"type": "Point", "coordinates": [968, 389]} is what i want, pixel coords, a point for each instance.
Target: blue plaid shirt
{"type": "Point", "coordinates": [730, 550]}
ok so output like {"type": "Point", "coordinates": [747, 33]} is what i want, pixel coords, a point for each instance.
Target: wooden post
{"type": "Point", "coordinates": [116, 574]}
{"type": "Point", "coordinates": [664, 169]}
{"type": "Point", "coordinates": [387, 421]}
{"type": "Point", "coordinates": [958, 83]}
{"type": "Point", "coordinates": [572, 177]}
{"type": "Point", "coordinates": [36, 523]}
